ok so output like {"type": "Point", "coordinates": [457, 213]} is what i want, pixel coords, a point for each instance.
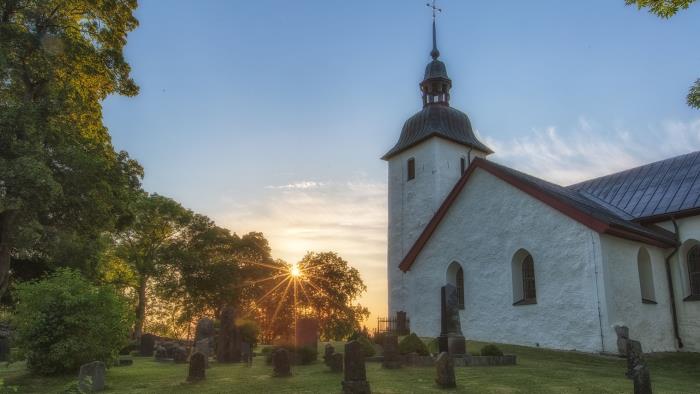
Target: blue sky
{"type": "Point", "coordinates": [271, 115]}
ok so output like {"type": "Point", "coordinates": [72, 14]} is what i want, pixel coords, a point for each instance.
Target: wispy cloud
{"type": "Point", "coordinates": [590, 150]}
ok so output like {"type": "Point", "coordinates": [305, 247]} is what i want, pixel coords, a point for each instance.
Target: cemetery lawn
{"type": "Point", "coordinates": [538, 371]}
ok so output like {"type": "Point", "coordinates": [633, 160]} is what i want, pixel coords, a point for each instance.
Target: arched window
{"type": "Point", "coordinates": [411, 164]}
{"type": "Point", "coordinates": [524, 284]}
{"type": "Point", "coordinates": [694, 272]}
{"type": "Point", "coordinates": [455, 277]}
{"type": "Point", "coordinates": [646, 277]}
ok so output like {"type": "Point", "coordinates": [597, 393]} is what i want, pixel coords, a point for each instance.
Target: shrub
{"type": "Point", "coordinates": [367, 347]}
{"type": "Point", "coordinates": [249, 332]}
{"type": "Point", "coordinates": [413, 344]}
{"type": "Point", "coordinates": [379, 338]}
{"type": "Point", "coordinates": [491, 350]}
{"type": "Point", "coordinates": [434, 346]}
{"type": "Point", "coordinates": [63, 321]}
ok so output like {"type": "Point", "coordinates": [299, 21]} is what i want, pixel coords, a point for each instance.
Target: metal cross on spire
{"type": "Point", "coordinates": [434, 53]}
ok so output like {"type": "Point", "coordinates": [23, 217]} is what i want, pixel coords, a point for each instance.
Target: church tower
{"type": "Point", "coordinates": [435, 148]}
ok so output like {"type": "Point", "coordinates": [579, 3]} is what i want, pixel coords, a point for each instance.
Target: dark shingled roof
{"type": "Point", "coordinates": [436, 121]}
{"type": "Point", "coordinates": [651, 192]}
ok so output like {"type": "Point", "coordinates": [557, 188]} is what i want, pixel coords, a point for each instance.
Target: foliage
{"type": "Point", "coordinates": [667, 9]}
{"type": "Point", "coordinates": [378, 337]}
{"type": "Point", "coordinates": [413, 344]}
{"type": "Point", "coordinates": [63, 321]}
{"type": "Point", "coordinates": [434, 346]}
{"type": "Point", "coordinates": [694, 95]}
{"type": "Point", "coordinates": [249, 331]}
{"type": "Point", "coordinates": [328, 289]}
{"type": "Point", "coordinates": [491, 350]}
{"type": "Point", "coordinates": [63, 185]}
{"type": "Point", "coordinates": [662, 8]}
{"type": "Point", "coordinates": [367, 346]}
{"type": "Point", "coordinates": [143, 245]}
{"type": "Point", "coordinates": [302, 355]}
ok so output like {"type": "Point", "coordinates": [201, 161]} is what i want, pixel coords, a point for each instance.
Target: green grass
{"type": "Point", "coordinates": [538, 371]}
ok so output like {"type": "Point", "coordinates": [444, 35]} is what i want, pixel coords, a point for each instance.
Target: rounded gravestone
{"type": "Point", "coordinates": [281, 363]}
{"type": "Point", "coordinates": [355, 374]}
{"type": "Point", "coordinates": [197, 368]}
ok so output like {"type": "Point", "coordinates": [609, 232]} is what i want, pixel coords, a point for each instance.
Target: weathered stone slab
{"type": "Point", "coordinates": [306, 332]}
{"type": "Point", "coordinates": [92, 377]}
{"type": "Point", "coordinates": [355, 374]}
{"type": "Point", "coordinates": [229, 341]}
{"type": "Point", "coordinates": [445, 371]}
{"type": "Point", "coordinates": [197, 370]}
{"type": "Point", "coordinates": [336, 362]}
{"type": "Point", "coordinates": [623, 335]}
{"type": "Point", "coordinates": [205, 329]}
{"type": "Point", "coordinates": [637, 369]}
{"type": "Point", "coordinates": [391, 355]}
{"type": "Point", "coordinates": [147, 345]}
{"type": "Point", "coordinates": [281, 363]}
{"type": "Point", "coordinates": [328, 352]}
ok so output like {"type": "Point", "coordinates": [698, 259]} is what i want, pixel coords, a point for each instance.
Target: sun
{"type": "Point", "coordinates": [295, 271]}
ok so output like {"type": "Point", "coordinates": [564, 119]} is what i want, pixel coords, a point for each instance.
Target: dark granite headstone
{"type": "Point", "coordinates": [392, 356]}
{"type": "Point", "coordinates": [147, 345]}
{"type": "Point", "coordinates": [336, 362]}
{"type": "Point", "coordinates": [204, 346]}
{"type": "Point", "coordinates": [328, 353]}
{"type": "Point", "coordinates": [179, 354]}
{"type": "Point", "coordinates": [197, 368]}
{"type": "Point", "coordinates": [355, 374]}
{"type": "Point", "coordinates": [401, 323]}
{"type": "Point", "coordinates": [634, 356]}
{"type": "Point", "coordinates": [247, 353]}
{"type": "Point", "coordinates": [281, 363]}
{"type": "Point", "coordinates": [229, 342]}
{"type": "Point", "coordinates": [451, 339]}
{"type": "Point", "coordinates": [641, 379]}
{"type": "Point", "coordinates": [205, 329]}
{"type": "Point", "coordinates": [445, 369]}
{"type": "Point", "coordinates": [623, 335]}
{"type": "Point", "coordinates": [92, 377]}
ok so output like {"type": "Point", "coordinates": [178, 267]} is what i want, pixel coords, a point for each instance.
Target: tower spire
{"type": "Point", "coordinates": [435, 53]}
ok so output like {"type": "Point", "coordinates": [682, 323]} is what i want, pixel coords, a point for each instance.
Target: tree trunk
{"type": "Point", "coordinates": [7, 219]}
{"type": "Point", "coordinates": [141, 308]}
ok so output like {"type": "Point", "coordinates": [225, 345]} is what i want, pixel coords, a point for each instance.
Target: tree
{"type": "Point", "coordinates": [62, 185]}
{"type": "Point", "coordinates": [328, 288]}
{"type": "Point", "coordinates": [64, 321]}
{"type": "Point", "coordinates": [666, 9]}
{"type": "Point", "coordinates": [157, 223]}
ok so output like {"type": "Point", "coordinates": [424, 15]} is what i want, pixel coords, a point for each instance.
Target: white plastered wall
{"type": "Point", "coordinates": [490, 221]}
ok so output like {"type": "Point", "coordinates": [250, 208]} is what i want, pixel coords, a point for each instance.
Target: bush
{"type": "Point", "coordinates": [379, 338]}
{"type": "Point", "coordinates": [63, 321]}
{"type": "Point", "coordinates": [434, 346]}
{"type": "Point", "coordinates": [249, 332]}
{"type": "Point", "coordinates": [367, 347]}
{"type": "Point", "coordinates": [491, 350]}
{"type": "Point", "coordinates": [413, 344]}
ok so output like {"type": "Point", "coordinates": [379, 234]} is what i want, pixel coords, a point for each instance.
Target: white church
{"type": "Point", "coordinates": [535, 263]}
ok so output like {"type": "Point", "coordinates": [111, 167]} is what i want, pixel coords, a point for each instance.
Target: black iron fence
{"type": "Point", "coordinates": [400, 325]}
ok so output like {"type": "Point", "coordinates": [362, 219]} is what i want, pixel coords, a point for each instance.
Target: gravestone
{"type": "Point", "coordinates": [445, 369]}
{"type": "Point", "coordinates": [197, 368]}
{"type": "Point", "coordinates": [229, 342]}
{"type": "Point", "coordinates": [336, 362]}
{"type": "Point", "coordinates": [401, 323]}
{"type": "Point", "coordinates": [641, 379]}
{"type": "Point", "coordinates": [328, 353]}
{"type": "Point", "coordinates": [355, 374]}
{"type": "Point", "coordinates": [179, 354]}
{"type": "Point", "coordinates": [451, 339]}
{"type": "Point", "coordinates": [92, 377]}
{"type": "Point", "coordinates": [161, 353]}
{"type": "Point", "coordinates": [204, 329]}
{"type": "Point", "coordinates": [281, 363]}
{"type": "Point", "coordinates": [623, 335]}
{"type": "Point", "coordinates": [204, 346]}
{"type": "Point", "coordinates": [306, 332]}
{"type": "Point", "coordinates": [4, 348]}
{"type": "Point", "coordinates": [634, 356]}
{"type": "Point", "coordinates": [247, 353]}
{"type": "Point", "coordinates": [147, 345]}
{"type": "Point", "coordinates": [392, 357]}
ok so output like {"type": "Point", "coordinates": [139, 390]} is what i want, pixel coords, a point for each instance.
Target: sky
{"type": "Point", "coordinates": [271, 115]}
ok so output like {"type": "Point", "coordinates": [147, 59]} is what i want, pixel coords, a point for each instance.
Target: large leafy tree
{"type": "Point", "coordinates": [158, 224]}
{"type": "Point", "coordinates": [667, 9]}
{"type": "Point", "coordinates": [62, 185]}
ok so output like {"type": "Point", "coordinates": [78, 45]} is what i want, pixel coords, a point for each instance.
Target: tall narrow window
{"type": "Point", "coordinates": [694, 272]}
{"type": "Point", "coordinates": [411, 168]}
{"type": "Point", "coordinates": [646, 276]}
{"type": "Point", "coordinates": [529, 292]}
{"type": "Point", "coordinates": [460, 287]}
{"type": "Point", "coordinates": [462, 164]}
